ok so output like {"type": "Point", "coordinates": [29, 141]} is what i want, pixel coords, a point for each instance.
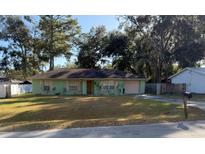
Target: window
{"type": "Point", "coordinates": [74, 86]}
{"type": "Point", "coordinates": [46, 88]}
{"type": "Point", "coordinates": [111, 87]}
{"type": "Point", "coordinates": [47, 85]}
{"type": "Point", "coordinates": [108, 85]}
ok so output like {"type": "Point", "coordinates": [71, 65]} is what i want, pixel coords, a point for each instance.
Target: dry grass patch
{"type": "Point", "coordinates": [30, 112]}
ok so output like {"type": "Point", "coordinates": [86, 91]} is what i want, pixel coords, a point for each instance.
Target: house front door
{"type": "Point", "coordinates": [89, 87]}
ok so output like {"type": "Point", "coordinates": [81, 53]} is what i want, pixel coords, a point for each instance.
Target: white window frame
{"type": "Point", "coordinates": [73, 83]}
{"type": "Point", "coordinates": [108, 84]}
{"type": "Point", "coordinates": [47, 83]}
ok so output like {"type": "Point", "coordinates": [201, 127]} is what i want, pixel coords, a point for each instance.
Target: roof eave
{"type": "Point", "coordinates": [187, 68]}
{"type": "Point", "coordinates": [87, 78]}
{"type": "Point", "coordinates": [179, 72]}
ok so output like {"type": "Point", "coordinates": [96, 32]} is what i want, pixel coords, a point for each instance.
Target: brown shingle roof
{"type": "Point", "coordinates": [83, 73]}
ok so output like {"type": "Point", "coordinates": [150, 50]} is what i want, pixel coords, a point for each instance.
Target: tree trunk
{"type": "Point", "coordinates": [51, 46]}
{"type": "Point", "coordinates": [158, 71]}
{"type": "Point", "coordinates": [158, 75]}
{"type": "Point", "coordinates": [25, 65]}
{"type": "Point", "coordinates": [51, 63]}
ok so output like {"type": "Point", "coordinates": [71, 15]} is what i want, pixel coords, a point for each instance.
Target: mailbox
{"type": "Point", "coordinates": [187, 94]}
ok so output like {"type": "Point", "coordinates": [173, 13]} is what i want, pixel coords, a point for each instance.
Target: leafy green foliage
{"type": "Point", "coordinates": [90, 48]}
{"type": "Point", "coordinates": [154, 47]}
{"type": "Point", "coordinates": [188, 54]}
{"type": "Point", "coordinates": [57, 36]}
{"type": "Point", "coordinates": [159, 40]}
{"type": "Point", "coordinates": [17, 47]}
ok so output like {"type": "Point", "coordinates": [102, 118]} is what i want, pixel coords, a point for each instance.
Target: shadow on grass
{"type": "Point", "coordinates": [36, 100]}
{"type": "Point", "coordinates": [66, 112]}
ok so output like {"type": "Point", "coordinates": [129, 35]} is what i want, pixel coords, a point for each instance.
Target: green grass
{"type": "Point", "coordinates": [30, 112]}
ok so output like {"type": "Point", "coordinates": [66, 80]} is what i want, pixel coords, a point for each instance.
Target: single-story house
{"type": "Point", "coordinates": [9, 87]}
{"type": "Point", "coordinates": [87, 82]}
{"type": "Point", "coordinates": [194, 78]}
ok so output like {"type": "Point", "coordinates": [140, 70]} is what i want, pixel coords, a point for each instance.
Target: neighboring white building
{"type": "Point", "coordinates": [194, 78]}
{"type": "Point", "coordinates": [10, 88]}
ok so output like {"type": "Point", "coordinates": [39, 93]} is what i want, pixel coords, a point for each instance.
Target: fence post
{"type": "Point", "coordinates": [8, 90]}
{"type": "Point", "coordinates": [158, 88]}
{"type": "Point", "coordinates": [185, 107]}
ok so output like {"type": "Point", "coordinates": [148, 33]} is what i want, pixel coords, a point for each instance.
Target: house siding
{"type": "Point", "coordinates": [36, 87]}
{"type": "Point", "coordinates": [58, 87]}
{"type": "Point", "coordinates": [195, 82]}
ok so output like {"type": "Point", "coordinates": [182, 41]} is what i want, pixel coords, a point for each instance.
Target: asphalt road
{"type": "Point", "coordinates": [193, 129]}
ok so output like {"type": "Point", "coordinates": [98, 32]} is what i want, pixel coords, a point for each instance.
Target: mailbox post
{"type": "Point", "coordinates": [186, 96]}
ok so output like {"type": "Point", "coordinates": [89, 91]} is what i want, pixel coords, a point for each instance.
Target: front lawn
{"type": "Point", "coordinates": [46, 112]}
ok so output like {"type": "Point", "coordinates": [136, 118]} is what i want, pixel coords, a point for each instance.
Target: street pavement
{"type": "Point", "coordinates": [185, 129]}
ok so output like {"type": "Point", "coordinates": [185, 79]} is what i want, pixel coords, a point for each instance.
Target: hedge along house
{"type": "Point", "coordinates": [87, 82]}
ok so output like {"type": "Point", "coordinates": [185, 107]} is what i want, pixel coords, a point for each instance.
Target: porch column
{"type": "Point", "coordinates": [84, 86]}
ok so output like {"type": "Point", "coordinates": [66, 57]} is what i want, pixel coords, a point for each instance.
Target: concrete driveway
{"type": "Point", "coordinates": [194, 129]}
{"type": "Point", "coordinates": [199, 104]}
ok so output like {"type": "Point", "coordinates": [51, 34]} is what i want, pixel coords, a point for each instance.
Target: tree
{"type": "Point", "coordinates": [189, 53]}
{"type": "Point", "coordinates": [57, 36]}
{"type": "Point", "coordinates": [128, 52]}
{"type": "Point", "coordinates": [117, 48]}
{"type": "Point", "coordinates": [163, 37]}
{"type": "Point", "coordinates": [16, 46]}
{"type": "Point", "coordinates": [90, 48]}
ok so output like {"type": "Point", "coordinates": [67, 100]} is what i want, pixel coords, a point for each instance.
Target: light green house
{"type": "Point", "coordinates": [87, 82]}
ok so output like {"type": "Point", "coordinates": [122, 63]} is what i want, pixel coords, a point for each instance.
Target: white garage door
{"type": "Point", "coordinates": [2, 91]}
{"type": "Point", "coordinates": [131, 87]}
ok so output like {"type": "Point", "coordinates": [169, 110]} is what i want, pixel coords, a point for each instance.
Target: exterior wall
{"type": "Point", "coordinates": [58, 87]}
{"type": "Point", "coordinates": [8, 89]}
{"type": "Point", "coordinates": [194, 82]}
{"type": "Point", "coordinates": [184, 77]}
{"type": "Point", "coordinates": [17, 89]}
{"type": "Point", "coordinates": [36, 87]}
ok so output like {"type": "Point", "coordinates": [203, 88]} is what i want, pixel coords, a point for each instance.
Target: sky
{"type": "Point", "coordinates": [88, 21]}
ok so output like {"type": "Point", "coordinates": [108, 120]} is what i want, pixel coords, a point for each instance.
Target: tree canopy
{"type": "Point", "coordinates": [151, 46]}
{"type": "Point", "coordinates": [57, 36]}
{"type": "Point", "coordinates": [161, 39]}
{"type": "Point", "coordinates": [17, 46]}
{"type": "Point", "coordinates": [90, 47]}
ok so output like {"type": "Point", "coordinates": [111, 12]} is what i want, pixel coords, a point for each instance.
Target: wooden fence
{"type": "Point", "coordinates": [164, 88]}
